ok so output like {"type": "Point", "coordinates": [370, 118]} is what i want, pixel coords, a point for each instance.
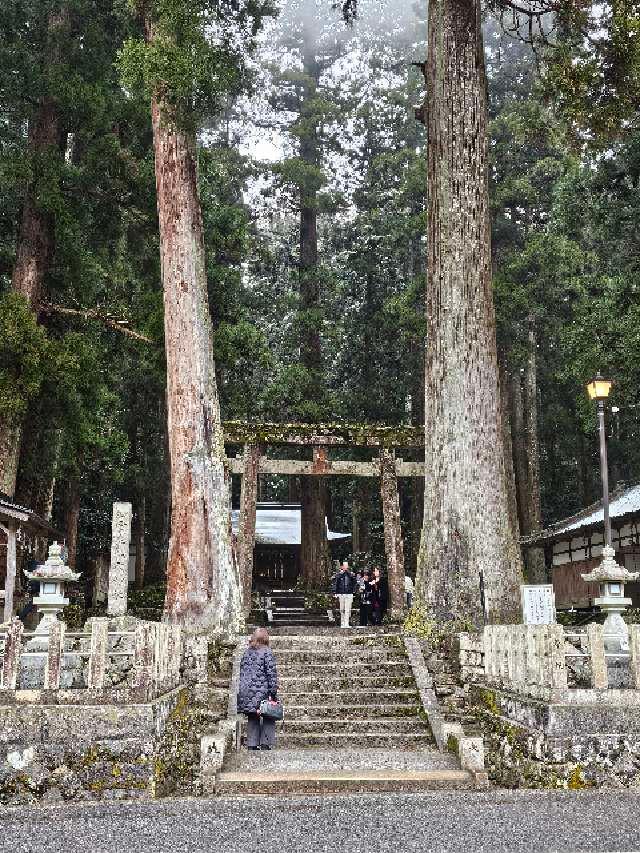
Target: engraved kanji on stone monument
{"type": "Point", "coordinates": [119, 569]}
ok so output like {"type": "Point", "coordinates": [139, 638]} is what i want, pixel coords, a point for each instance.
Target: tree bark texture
{"type": "Point", "coordinates": [314, 556]}
{"type": "Point", "coordinates": [72, 516]}
{"type": "Point", "coordinates": [360, 542]}
{"type": "Point", "coordinates": [315, 561]}
{"type": "Point", "coordinates": [139, 537]}
{"type": "Point", "coordinates": [247, 526]}
{"type": "Point", "coordinates": [203, 586]}
{"type": "Point", "coordinates": [35, 242]}
{"type": "Point", "coordinates": [466, 521]}
{"type": "Point", "coordinates": [10, 579]}
{"type": "Point", "coordinates": [392, 533]}
{"type": "Point", "coordinates": [534, 557]}
{"type": "Point", "coordinates": [508, 449]}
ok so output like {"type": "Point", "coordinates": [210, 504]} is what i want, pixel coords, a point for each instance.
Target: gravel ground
{"type": "Point", "coordinates": [453, 821]}
{"type": "Point", "coordinates": [341, 759]}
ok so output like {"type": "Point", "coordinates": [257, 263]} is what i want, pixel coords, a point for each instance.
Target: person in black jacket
{"type": "Point", "coordinates": [258, 681]}
{"type": "Point", "coordinates": [379, 596]}
{"type": "Point", "coordinates": [343, 585]}
{"type": "Point", "coordinates": [365, 599]}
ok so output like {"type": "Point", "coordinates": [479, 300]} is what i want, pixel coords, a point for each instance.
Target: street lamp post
{"type": "Point", "coordinates": [610, 576]}
{"type": "Point", "coordinates": [599, 390]}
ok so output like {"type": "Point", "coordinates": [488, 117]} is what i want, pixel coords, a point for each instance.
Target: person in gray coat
{"type": "Point", "coordinates": [258, 681]}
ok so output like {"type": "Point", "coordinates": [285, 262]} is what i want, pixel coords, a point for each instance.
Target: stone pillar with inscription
{"type": "Point", "coordinates": [119, 568]}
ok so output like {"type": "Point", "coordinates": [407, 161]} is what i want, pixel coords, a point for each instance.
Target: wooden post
{"type": "Point", "coordinates": [54, 656]}
{"type": "Point", "coordinates": [247, 525]}
{"type": "Point", "coordinates": [10, 583]}
{"type": "Point", "coordinates": [392, 532]}
{"type": "Point", "coordinates": [12, 648]}
{"type": "Point", "coordinates": [98, 652]}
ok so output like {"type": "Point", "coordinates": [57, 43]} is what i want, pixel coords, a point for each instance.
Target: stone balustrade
{"type": "Point", "coordinates": [532, 660]}
{"type": "Point", "coordinates": [140, 664]}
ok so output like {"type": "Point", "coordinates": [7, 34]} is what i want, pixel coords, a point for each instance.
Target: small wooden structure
{"type": "Point", "coordinates": [13, 518]}
{"type": "Point", "coordinates": [574, 545]}
{"type": "Point", "coordinates": [327, 442]}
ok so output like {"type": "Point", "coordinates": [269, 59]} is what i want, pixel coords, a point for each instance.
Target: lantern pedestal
{"type": "Point", "coordinates": [52, 577]}
{"type": "Point", "coordinates": [612, 577]}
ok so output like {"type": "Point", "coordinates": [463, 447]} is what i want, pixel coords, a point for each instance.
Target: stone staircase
{"type": "Point", "coordinates": [288, 608]}
{"type": "Point", "coordinates": [353, 722]}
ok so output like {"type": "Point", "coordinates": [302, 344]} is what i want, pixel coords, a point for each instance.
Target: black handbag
{"type": "Point", "coordinates": [271, 709]}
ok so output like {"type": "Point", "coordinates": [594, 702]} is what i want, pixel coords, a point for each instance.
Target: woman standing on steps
{"type": "Point", "coordinates": [258, 681]}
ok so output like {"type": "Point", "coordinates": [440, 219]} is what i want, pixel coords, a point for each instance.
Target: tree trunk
{"type": "Point", "coordinates": [393, 544]}
{"type": "Point", "coordinates": [508, 449]}
{"type": "Point", "coordinates": [314, 557]}
{"type": "Point", "coordinates": [466, 521]}
{"type": "Point", "coordinates": [534, 557]}
{"type": "Point", "coordinates": [362, 497]}
{"type": "Point", "coordinates": [203, 586]}
{"type": "Point", "coordinates": [315, 561]}
{"type": "Point", "coordinates": [141, 512]}
{"type": "Point", "coordinates": [519, 452]}
{"type": "Point", "coordinates": [72, 516]}
{"type": "Point", "coordinates": [36, 232]}
{"type": "Point", "coordinates": [247, 525]}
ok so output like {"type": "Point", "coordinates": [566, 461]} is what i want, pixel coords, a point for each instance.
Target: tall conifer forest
{"type": "Point", "coordinates": [387, 213]}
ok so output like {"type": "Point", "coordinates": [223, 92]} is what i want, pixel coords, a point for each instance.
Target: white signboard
{"type": "Point", "coordinates": [538, 604]}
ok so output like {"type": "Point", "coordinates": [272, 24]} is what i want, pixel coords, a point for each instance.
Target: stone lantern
{"type": "Point", "coordinates": [612, 577]}
{"type": "Point", "coordinates": [52, 576]}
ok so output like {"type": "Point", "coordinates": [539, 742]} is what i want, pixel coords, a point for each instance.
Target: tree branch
{"type": "Point", "coordinates": [93, 314]}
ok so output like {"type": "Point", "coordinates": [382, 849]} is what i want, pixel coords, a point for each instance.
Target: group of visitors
{"type": "Point", "coordinates": [372, 589]}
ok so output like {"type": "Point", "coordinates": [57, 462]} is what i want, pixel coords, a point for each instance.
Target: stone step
{"type": "Point", "coordinates": [350, 669]}
{"type": "Point", "coordinates": [329, 630]}
{"type": "Point", "coordinates": [338, 657]}
{"type": "Point", "coordinates": [341, 638]}
{"type": "Point", "coordinates": [357, 727]}
{"type": "Point", "coordinates": [311, 621]}
{"type": "Point", "coordinates": [337, 680]}
{"type": "Point", "coordinates": [367, 740]}
{"type": "Point", "coordinates": [340, 781]}
{"type": "Point", "coordinates": [347, 712]}
{"type": "Point", "coordinates": [351, 697]}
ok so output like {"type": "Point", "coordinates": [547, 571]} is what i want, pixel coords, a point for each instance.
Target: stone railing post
{"type": "Point", "coordinates": [559, 684]}
{"type": "Point", "coordinates": [98, 653]}
{"type": "Point", "coordinates": [12, 648]}
{"type": "Point", "coordinates": [634, 655]}
{"type": "Point", "coordinates": [599, 674]}
{"type": "Point", "coordinates": [143, 657]}
{"type": "Point", "coordinates": [55, 651]}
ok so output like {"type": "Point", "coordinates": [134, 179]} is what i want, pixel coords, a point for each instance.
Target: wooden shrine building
{"type": "Point", "coordinates": [323, 450]}
{"type": "Point", "coordinates": [573, 546]}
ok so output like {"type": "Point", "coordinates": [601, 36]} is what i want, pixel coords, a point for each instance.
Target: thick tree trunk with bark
{"type": "Point", "coordinates": [508, 449]}
{"type": "Point", "coordinates": [466, 519]}
{"type": "Point", "coordinates": [534, 557]}
{"type": "Point", "coordinates": [315, 561]}
{"type": "Point", "coordinates": [35, 244]}
{"type": "Point", "coordinates": [247, 526]}
{"type": "Point", "coordinates": [72, 516]}
{"type": "Point", "coordinates": [519, 450]}
{"type": "Point", "coordinates": [138, 538]}
{"type": "Point", "coordinates": [314, 557]}
{"type": "Point", "coordinates": [393, 544]}
{"type": "Point", "coordinates": [203, 586]}
{"type": "Point", "coordinates": [362, 497]}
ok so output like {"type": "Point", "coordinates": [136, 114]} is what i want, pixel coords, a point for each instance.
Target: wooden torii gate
{"type": "Point", "coordinates": [255, 440]}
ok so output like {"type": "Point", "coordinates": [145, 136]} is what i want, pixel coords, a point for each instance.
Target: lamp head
{"type": "Point", "coordinates": [599, 388]}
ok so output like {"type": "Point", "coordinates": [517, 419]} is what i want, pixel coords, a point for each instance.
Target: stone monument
{"type": "Point", "coordinates": [119, 569]}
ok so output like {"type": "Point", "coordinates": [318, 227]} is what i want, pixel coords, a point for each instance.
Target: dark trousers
{"type": "Point", "coordinates": [261, 731]}
{"type": "Point", "coordinates": [365, 614]}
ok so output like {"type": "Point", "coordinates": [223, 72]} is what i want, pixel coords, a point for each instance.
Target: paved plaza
{"type": "Point", "coordinates": [453, 821]}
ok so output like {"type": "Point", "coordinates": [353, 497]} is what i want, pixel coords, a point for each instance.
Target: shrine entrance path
{"type": "Point", "coordinates": [453, 821]}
